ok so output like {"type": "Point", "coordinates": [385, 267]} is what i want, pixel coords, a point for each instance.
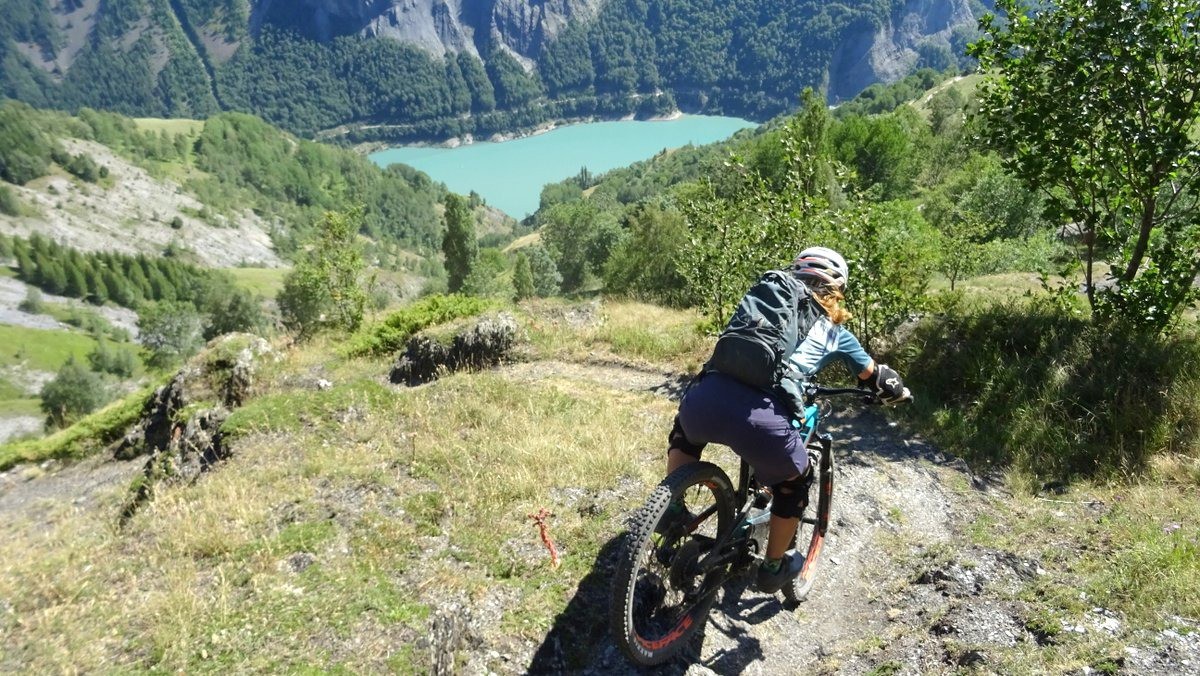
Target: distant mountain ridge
{"type": "Point", "coordinates": [439, 68]}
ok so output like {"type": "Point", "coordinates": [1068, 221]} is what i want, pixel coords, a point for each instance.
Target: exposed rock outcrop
{"type": "Point", "coordinates": [868, 53]}
{"type": "Point", "coordinates": [436, 26]}
{"type": "Point", "coordinates": [473, 344]}
{"type": "Point", "coordinates": [131, 213]}
{"type": "Point", "coordinates": [180, 427]}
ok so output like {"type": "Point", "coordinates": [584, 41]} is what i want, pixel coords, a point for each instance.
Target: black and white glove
{"type": "Point", "coordinates": [886, 384]}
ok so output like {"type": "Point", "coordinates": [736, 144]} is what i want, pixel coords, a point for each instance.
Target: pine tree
{"type": "Point", "coordinates": [523, 277]}
{"type": "Point", "coordinates": [98, 291]}
{"type": "Point", "coordinates": [77, 286]}
{"type": "Point", "coordinates": [26, 269]}
{"type": "Point", "coordinates": [40, 272]}
{"type": "Point", "coordinates": [119, 289]}
{"type": "Point", "coordinates": [459, 244]}
{"type": "Point", "coordinates": [55, 278]}
{"type": "Point", "coordinates": [160, 288]}
{"type": "Point", "coordinates": [138, 284]}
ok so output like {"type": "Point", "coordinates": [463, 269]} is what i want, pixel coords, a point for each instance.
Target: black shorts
{"type": "Point", "coordinates": [755, 424]}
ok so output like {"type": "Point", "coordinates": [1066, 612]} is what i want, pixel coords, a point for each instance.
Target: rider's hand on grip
{"type": "Point", "coordinates": [887, 385]}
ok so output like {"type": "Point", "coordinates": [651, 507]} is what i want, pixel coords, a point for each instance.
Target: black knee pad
{"type": "Point", "coordinates": [679, 440]}
{"type": "Point", "coordinates": [791, 497]}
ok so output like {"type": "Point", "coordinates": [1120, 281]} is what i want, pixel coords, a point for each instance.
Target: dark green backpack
{"type": "Point", "coordinates": [769, 322]}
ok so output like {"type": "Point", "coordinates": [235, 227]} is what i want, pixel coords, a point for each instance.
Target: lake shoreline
{"type": "Point", "coordinates": [510, 170]}
{"type": "Point", "coordinates": [369, 147]}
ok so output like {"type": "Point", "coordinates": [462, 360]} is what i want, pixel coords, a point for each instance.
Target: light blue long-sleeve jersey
{"type": "Point", "coordinates": [825, 343]}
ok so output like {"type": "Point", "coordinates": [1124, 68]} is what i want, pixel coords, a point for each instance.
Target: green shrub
{"type": "Point", "coordinates": [390, 335]}
{"type": "Point", "coordinates": [116, 360]}
{"type": "Point", "coordinates": [170, 332]}
{"type": "Point", "coordinates": [74, 392]}
{"type": "Point", "coordinates": [326, 288]}
{"type": "Point", "coordinates": [34, 303]}
{"type": "Point", "coordinates": [1029, 385]}
{"type": "Point", "coordinates": [9, 204]}
{"type": "Point", "coordinates": [89, 434]}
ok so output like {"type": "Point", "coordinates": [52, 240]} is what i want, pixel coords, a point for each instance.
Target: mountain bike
{"type": "Point", "coordinates": [666, 583]}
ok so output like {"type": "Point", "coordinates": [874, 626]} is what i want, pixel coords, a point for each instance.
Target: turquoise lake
{"type": "Point", "coordinates": [510, 175]}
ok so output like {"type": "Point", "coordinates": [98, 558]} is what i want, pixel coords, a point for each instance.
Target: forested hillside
{"type": "Point", "coordinates": [234, 169]}
{"type": "Point", "coordinates": [463, 67]}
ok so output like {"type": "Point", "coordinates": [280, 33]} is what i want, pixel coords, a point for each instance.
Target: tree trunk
{"type": "Point", "coordinates": [1139, 250]}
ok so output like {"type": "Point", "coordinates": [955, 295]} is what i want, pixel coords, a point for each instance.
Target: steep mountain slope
{"type": "Point", "coordinates": [436, 26]}
{"type": "Point", "coordinates": [371, 528]}
{"type": "Point", "coordinates": [233, 190]}
{"type": "Point", "coordinates": [463, 66]}
{"type": "Point", "coordinates": [134, 214]}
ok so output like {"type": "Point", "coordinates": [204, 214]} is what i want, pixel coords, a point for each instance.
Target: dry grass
{"type": "Point", "coordinates": [623, 331]}
{"type": "Point", "coordinates": [345, 519]}
{"type": "Point", "coordinates": [1130, 547]}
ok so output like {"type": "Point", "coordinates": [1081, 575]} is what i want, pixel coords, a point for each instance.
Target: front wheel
{"type": "Point", "coordinates": [660, 597]}
{"type": "Point", "coordinates": [812, 531]}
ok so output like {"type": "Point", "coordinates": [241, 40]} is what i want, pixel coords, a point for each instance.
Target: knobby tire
{"type": "Point", "coordinates": [810, 537]}
{"type": "Point", "coordinates": [659, 601]}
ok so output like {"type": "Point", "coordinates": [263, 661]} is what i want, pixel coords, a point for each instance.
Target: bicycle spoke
{"type": "Point", "coordinates": [661, 594]}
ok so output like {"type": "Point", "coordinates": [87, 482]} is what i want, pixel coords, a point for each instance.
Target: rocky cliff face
{"type": "Point", "coordinates": [189, 58]}
{"type": "Point", "coordinates": [437, 26]}
{"type": "Point", "coordinates": [914, 36]}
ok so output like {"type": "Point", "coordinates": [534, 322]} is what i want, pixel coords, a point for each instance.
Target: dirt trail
{"type": "Point", "coordinates": [900, 590]}
{"type": "Point", "coordinates": [33, 490]}
{"type": "Point", "coordinates": [890, 493]}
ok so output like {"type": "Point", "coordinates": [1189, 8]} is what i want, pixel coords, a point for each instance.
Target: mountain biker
{"type": "Point", "coordinates": [757, 424]}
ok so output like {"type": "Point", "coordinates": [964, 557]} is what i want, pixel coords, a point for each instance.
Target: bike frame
{"type": "Point", "coordinates": [727, 547]}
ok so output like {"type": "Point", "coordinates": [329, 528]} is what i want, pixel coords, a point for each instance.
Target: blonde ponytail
{"type": "Point", "coordinates": [831, 298]}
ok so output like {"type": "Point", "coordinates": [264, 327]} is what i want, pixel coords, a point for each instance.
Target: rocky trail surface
{"type": "Point", "coordinates": [901, 589]}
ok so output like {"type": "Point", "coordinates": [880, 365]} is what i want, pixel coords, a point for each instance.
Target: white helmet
{"type": "Point", "coordinates": [826, 265]}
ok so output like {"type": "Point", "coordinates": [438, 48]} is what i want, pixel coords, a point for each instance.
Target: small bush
{"type": "Point", "coordinates": [390, 335]}
{"type": "Point", "coordinates": [115, 360]}
{"type": "Point", "coordinates": [74, 392]}
{"type": "Point", "coordinates": [170, 332]}
{"type": "Point", "coordinates": [34, 303]}
{"type": "Point", "coordinates": [326, 288]}
{"type": "Point", "coordinates": [1050, 393]}
{"type": "Point", "coordinates": [9, 204]}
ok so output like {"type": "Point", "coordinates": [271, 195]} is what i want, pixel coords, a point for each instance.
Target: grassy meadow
{"type": "Point", "coordinates": [265, 282]}
{"type": "Point", "coordinates": [173, 127]}
{"type": "Point", "coordinates": [27, 349]}
{"type": "Point", "coordinates": [340, 515]}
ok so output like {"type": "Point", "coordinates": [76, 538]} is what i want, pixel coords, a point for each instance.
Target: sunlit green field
{"type": "Point", "coordinates": [265, 282]}
{"type": "Point", "coordinates": [180, 126]}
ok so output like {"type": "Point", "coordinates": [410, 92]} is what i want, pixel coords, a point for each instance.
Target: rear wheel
{"type": "Point", "coordinates": [660, 597]}
{"type": "Point", "coordinates": [810, 535]}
